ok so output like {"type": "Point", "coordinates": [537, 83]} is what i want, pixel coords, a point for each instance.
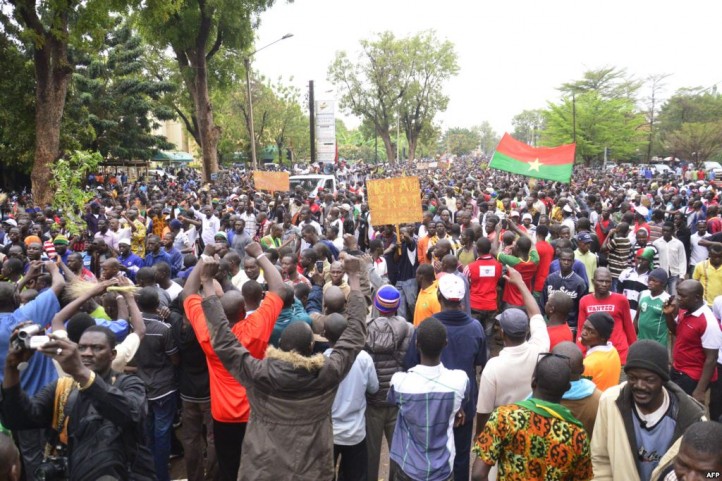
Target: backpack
{"type": "Point", "coordinates": [384, 340]}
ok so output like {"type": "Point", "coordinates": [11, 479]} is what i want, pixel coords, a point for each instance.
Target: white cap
{"type": "Point", "coordinates": [641, 210]}
{"type": "Point", "coordinates": [527, 216]}
{"type": "Point", "coordinates": [452, 287]}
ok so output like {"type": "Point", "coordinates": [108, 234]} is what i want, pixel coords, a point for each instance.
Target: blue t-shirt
{"type": "Point", "coordinates": [40, 371]}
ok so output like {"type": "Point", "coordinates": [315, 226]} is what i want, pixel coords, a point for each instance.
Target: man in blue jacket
{"type": "Point", "coordinates": [465, 350]}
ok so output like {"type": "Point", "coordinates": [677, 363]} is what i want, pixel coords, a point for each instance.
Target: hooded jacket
{"type": "Point", "coordinates": [290, 433]}
{"type": "Point", "coordinates": [614, 442]}
{"type": "Point", "coordinates": [288, 315]}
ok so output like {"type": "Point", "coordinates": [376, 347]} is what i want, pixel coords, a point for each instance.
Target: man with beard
{"type": "Point", "coordinates": [640, 419]}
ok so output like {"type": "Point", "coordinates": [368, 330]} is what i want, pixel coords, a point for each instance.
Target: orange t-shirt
{"type": "Point", "coordinates": [603, 366]}
{"type": "Point", "coordinates": [229, 403]}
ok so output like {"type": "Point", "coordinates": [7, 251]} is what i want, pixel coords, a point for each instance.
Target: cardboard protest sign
{"type": "Point", "coordinates": [271, 181]}
{"type": "Point", "coordinates": [394, 201]}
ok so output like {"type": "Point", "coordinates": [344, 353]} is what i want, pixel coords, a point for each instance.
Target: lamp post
{"type": "Point", "coordinates": [247, 65]}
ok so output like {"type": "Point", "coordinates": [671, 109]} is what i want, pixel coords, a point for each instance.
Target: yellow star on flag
{"type": "Point", "coordinates": [535, 165]}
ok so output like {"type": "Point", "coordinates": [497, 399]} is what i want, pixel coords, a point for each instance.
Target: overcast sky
{"type": "Point", "coordinates": [512, 54]}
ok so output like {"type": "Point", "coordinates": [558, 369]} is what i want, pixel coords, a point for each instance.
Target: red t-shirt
{"type": "Point", "coordinates": [483, 274]}
{"type": "Point", "coordinates": [546, 256]}
{"type": "Point", "coordinates": [559, 334]}
{"type": "Point", "coordinates": [616, 305]}
{"type": "Point", "coordinates": [696, 331]}
{"type": "Point", "coordinates": [229, 403]}
{"type": "Point", "coordinates": [527, 269]}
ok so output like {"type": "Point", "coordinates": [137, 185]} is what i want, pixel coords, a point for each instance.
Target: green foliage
{"type": "Point", "coordinates": [528, 126]}
{"type": "Point", "coordinates": [461, 141]}
{"type": "Point", "coordinates": [17, 115]}
{"type": "Point", "coordinates": [68, 178]}
{"type": "Point", "coordinates": [114, 102]}
{"type": "Point", "coordinates": [606, 116]}
{"type": "Point", "coordinates": [396, 79]}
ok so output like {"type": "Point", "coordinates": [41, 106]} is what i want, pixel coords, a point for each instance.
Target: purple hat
{"type": "Point", "coordinates": [387, 299]}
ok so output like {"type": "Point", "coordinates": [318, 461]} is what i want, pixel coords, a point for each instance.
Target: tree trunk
{"type": "Point", "coordinates": [52, 72]}
{"type": "Point", "coordinates": [412, 147]}
{"type": "Point", "coordinates": [209, 132]}
{"type": "Point", "coordinates": [390, 150]}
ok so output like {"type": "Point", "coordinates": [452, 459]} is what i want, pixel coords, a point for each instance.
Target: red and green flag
{"type": "Point", "coordinates": [551, 163]}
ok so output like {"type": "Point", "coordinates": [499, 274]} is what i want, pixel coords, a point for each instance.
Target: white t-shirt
{"type": "Point", "coordinates": [174, 290]}
{"type": "Point", "coordinates": [506, 378]}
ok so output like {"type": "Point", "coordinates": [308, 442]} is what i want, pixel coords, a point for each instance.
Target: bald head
{"type": "Point", "coordinates": [334, 325]}
{"type": "Point", "coordinates": [449, 263]}
{"type": "Point", "coordinates": [232, 302]}
{"type": "Point", "coordinates": [297, 337]}
{"type": "Point", "coordinates": [334, 300]}
{"type": "Point", "coordinates": [576, 359]}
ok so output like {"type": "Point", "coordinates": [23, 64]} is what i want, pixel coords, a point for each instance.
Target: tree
{"type": "Point", "coordinates": [195, 33]}
{"type": "Point", "coordinates": [431, 64]}
{"type": "Point", "coordinates": [528, 126]}
{"type": "Point", "coordinates": [120, 101]}
{"type": "Point", "coordinates": [68, 177]}
{"type": "Point", "coordinates": [48, 31]}
{"type": "Point", "coordinates": [656, 84]}
{"type": "Point", "coordinates": [461, 141]}
{"type": "Point", "coordinates": [488, 138]}
{"type": "Point", "coordinates": [396, 80]}
{"type": "Point", "coordinates": [373, 85]}
{"type": "Point", "coordinates": [17, 119]}
{"type": "Point", "coordinates": [597, 112]}
{"type": "Point", "coordinates": [689, 123]}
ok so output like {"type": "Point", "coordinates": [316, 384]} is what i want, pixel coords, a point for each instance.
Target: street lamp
{"type": "Point", "coordinates": [247, 64]}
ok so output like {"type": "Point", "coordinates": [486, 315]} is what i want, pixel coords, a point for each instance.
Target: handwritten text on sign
{"type": "Point", "coordinates": [271, 181]}
{"type": "Point", "coordinates": [394, 201]}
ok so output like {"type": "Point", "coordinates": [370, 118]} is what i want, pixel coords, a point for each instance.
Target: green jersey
{"type": "Point", "coordinates": [651, 321]}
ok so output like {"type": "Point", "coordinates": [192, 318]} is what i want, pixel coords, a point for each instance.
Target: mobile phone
{"type": "Point", "coordinates": [319, 266]}
{"type": "Point", "coordinates": [36, 342]}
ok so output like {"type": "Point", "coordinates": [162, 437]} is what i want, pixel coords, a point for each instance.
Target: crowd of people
{"type": "Point", "coordinates": [521, 330]}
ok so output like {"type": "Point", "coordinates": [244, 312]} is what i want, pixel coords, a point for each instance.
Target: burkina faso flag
{"type": "Point", "coordinates": [552, 163]}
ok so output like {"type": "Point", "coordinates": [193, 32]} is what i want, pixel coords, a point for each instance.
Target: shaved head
{"type": "Point", "coordinates": [232, 302]}
{"type": "Point", "coordinates": [298, 337]}
{"type": "Point", "coordinates": [334, 325]}
{"type": "Point", "coordinates": [576, 359]}
{"type": "Point", "coordinates": [334, 300]}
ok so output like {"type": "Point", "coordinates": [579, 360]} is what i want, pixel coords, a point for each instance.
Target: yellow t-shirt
{"type": "Point", "coordinates": [710, 278]}
{"type": "Point", "coordinates": [427, 304]}
{"type": "Point", "coordinates": [603, 366]}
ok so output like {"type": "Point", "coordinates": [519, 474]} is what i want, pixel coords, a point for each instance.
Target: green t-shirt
{"type": "Point", "coordinates": [651, 321]}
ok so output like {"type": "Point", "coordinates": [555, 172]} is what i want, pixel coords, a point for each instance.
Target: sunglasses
{"type": "Point", "coordinates": [543, 355]}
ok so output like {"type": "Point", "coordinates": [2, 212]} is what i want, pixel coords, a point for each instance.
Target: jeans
{"type": "Point", "coordinates": [229, 440]}
{"type": "Point", "coordinates": [715, 397]}
{"type": "Point", "coordinates": [616, 285]}
{"type": "Point", "coordinates": [380, 421]}
{"type": "Point", "coordinates": [197, 438]}
{"type": "Point", "coordinates": [462, 443]}
{"type": "Point", "coordinates": [409, 290]}
{"type": "Point", "coordinates": [354, 461]}
{"type": "Point", "coordinates": [158, 430]}
{"type": "Point", "coordinates": [672, 285]}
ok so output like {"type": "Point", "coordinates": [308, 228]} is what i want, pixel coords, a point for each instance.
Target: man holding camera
{"type": "Point", "coordinates": [96, 415]}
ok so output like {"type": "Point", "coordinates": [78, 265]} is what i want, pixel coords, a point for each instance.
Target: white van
{"type": "Point", "coordinates": [312, 182]}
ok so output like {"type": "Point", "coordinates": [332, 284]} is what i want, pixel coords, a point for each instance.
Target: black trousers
{"type": "Point", "coordinates": [354, 461]}
{"type": "Point", "coordinates": [682, 380]}
{"type": "Point", "coordinates": [229, 439]}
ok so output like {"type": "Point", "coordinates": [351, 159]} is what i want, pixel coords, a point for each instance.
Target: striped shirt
{"type": "Point", "coordinates": [619, 251]}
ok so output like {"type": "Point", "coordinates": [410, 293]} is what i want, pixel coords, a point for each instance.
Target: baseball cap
{"type": "Point", "coordinates": [584, 237]}
{"type": "Point", "coordinates": [452, 288]}
{"type": "Point", "coordinates": [641, 210]}
{"type": "Point", "coordinates": [124, 240]}
{"type": "Point", "coordinates": [526, 216]}
{"type": "Point", "coordinates": [514, 322]}
{"type": "Point", "coordinates": [11, 222]}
